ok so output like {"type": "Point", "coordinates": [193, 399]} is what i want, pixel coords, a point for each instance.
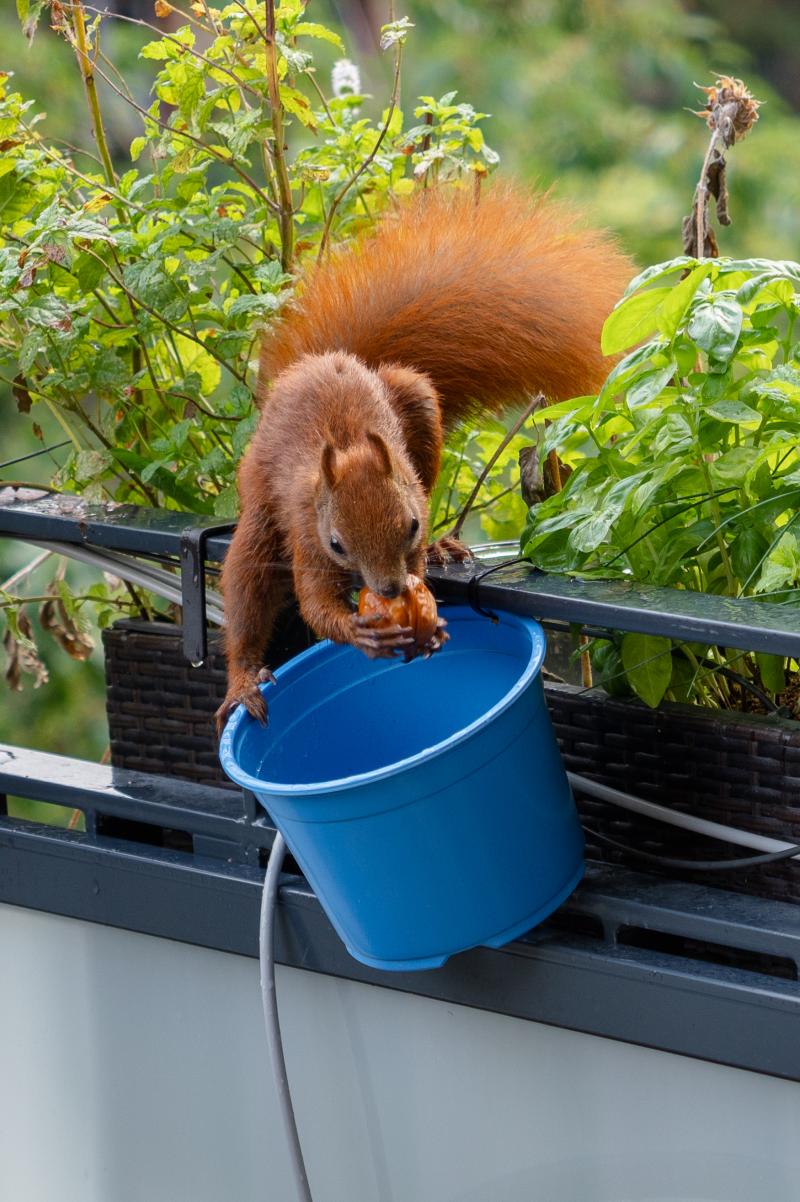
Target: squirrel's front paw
{"type": "Point", "coordinates": [243, 690]}
{"type": "Point", "coordinates": [448, 550]}
{"type": "Point", "coordinates": [381, 642]}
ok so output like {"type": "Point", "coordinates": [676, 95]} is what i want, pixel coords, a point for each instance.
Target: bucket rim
{"type": "Point", "coordinates": [240, 719]}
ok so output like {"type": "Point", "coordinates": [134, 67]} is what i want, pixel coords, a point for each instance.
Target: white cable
{"type": "Point", "coordinates": [702, 826]}
{"type": "Point", "coordinates": [155, 579]}
{"type": "Point", "coordinates": [269, 1002]}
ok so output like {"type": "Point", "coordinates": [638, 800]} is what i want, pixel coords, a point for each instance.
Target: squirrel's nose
{"type": "Point", "coordinates": [390, 589]}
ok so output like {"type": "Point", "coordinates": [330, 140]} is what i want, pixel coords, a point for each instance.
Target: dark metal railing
{"type": "Point", "coordinates": [617, 604]}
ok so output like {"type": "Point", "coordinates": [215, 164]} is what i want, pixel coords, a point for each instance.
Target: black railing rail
{"type": "Point", "coordinates": [618, 605]}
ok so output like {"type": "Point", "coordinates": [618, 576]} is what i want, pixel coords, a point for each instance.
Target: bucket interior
{"type": "Point", "coordinates": [335, 714]}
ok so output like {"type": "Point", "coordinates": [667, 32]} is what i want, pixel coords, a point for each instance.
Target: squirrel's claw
{"type": "Point", "coordinates": [245, 691]}
{"type": "Point", "coordinates": [386, 641]}
{"type": "Point", "coordinates": [448, 550]}
{"type": "Point", "coordinates": [437, 640]}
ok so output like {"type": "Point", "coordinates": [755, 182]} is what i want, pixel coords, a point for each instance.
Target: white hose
{"type": "Point", "coordinates": [155, 579]}
{"type": "Point", "coordinates": [702, 826]}
{"type": "Point", "coordinates": [269, 1001]}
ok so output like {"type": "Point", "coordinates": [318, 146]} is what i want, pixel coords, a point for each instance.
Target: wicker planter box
{"type": "Point", "coordinates": [739, 769]}
{"type": "Point", "coordinates": [161, 709]}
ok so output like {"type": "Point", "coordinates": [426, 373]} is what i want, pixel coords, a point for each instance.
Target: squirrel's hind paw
{"type": "Point", "coordinates": [244, 690]}
{"type": "Point", "coordinates": [448, 550]}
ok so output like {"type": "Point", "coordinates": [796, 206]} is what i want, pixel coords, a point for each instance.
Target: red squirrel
{"type": "Point", "coordinates": [447, 309]}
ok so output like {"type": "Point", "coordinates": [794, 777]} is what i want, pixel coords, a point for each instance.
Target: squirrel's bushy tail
{"type": "Point", "coordinates": [492, 301]}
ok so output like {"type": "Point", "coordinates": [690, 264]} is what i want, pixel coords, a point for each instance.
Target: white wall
{"type": "Point", "coordinates": [133, 1069]}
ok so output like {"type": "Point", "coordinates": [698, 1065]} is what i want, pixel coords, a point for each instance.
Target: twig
{"type": "Point", "coordinates": [312, 80]}
{"type": "Point", "coordinates": [262, 33]}
{"type": "Point", "coordinates": [340, 195]}
{"type": "Point", "coordinates": [286, 209]}
{"type": "Point", "coordinates": [228, 161]}
{"type": "Point", "coordinates": [26, 571]}
{"type": "Point", "coordinates": [218, 417]}
{"type": "Point", "coordinates": [81, 47]}
{"type": "Point", "coordinates": [168, 37]}
{"type": "Point", "coordinates": [534, 403]}
{"type": "Point", "coordinates": [169, 324]}
{"type": "Point", "coordinates": [487, 504]}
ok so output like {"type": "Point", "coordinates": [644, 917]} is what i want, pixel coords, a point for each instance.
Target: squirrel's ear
{"type": "Point", "coordinates": [329, 465]}
{"type": "Point", "coordinates": [381, 450]}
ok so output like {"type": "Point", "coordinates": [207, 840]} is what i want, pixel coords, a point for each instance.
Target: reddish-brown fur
{"type": "Point", "coordinates": [491, 301]}
{"type": "Point", "coordinates": [446, 310]}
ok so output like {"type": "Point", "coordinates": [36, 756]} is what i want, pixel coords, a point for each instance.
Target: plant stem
{"type": "Point", "coordinates": [716, 514]}
{"type": "Point", "coordinates": [87, 71]}
{"type": "Point", "coordinates": [452, 487]}
{"type": "Point", "coordinates": [73, 170]}
{"type": "Point", "coordinates": [26, 571]}
{"type": "Point", "coordinates": [163, 320]}
{"type": "Point", "coordinates": [62, 423]}
{"type": "Point", "coordinates": [312, 80]}
{"type": "Point", "coordinates": [534, 403]}
{"type": "Point", "coordinates": [701, 197]}
{"type": "Point", "coordinates": [492, 500]}
{"type": "Point", "coordinates": [167, 37]}
{"type": "Point", "coordinates": [38, 600]}
{"type": "Point", "coordinates": [226, 160]}
{"type": "Point", "coordinates": [340, 195]}
{"type": "Point", "coordinates": [285, 210]}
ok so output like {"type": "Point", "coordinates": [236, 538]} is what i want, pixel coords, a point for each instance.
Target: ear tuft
{"type": "Point", "coordinates": [381, 451]}
{"type": "Point", "coordinates": [329, 465]}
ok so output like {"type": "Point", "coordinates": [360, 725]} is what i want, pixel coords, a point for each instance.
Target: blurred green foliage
{"type": "Point", "coordinates": [131, 299]}
{"type": "Point", "coordinates": [591, 97]}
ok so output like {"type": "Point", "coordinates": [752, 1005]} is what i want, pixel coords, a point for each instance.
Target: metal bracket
{"type": "Point", "coordinates": [193, 589]}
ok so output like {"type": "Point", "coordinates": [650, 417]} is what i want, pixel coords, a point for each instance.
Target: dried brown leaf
{"type": "Point", "coordinates": [531, 478]}
{"type": "Point", "coordinates": [55, 620]}
{"type": "Point", "coordinates": [23, 656]}
{"type": "Point", "coordinates": [537, 478]}
{"type": "Point", "coordinates": [22, 396]}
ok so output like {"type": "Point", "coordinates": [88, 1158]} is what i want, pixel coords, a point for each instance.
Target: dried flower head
{"type": "Point", "coordinates": [730, 108]}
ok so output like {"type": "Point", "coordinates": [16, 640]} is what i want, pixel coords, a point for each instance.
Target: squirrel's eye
{"type": "Point", "coordinates": [336, 546]}
{"type": "Point", "coordinates": [413, 528]}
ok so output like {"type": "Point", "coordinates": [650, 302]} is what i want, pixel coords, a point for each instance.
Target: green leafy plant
{"type": "Point", "coordinates": [132, 295]}
{"type": "Point", "coordinates": [686, 468]}
{"type": "Point", "coordinates": [132, 299]}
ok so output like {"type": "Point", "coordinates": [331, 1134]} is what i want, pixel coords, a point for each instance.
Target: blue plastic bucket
{"type": "Point", "coordinates": [426, 803]}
